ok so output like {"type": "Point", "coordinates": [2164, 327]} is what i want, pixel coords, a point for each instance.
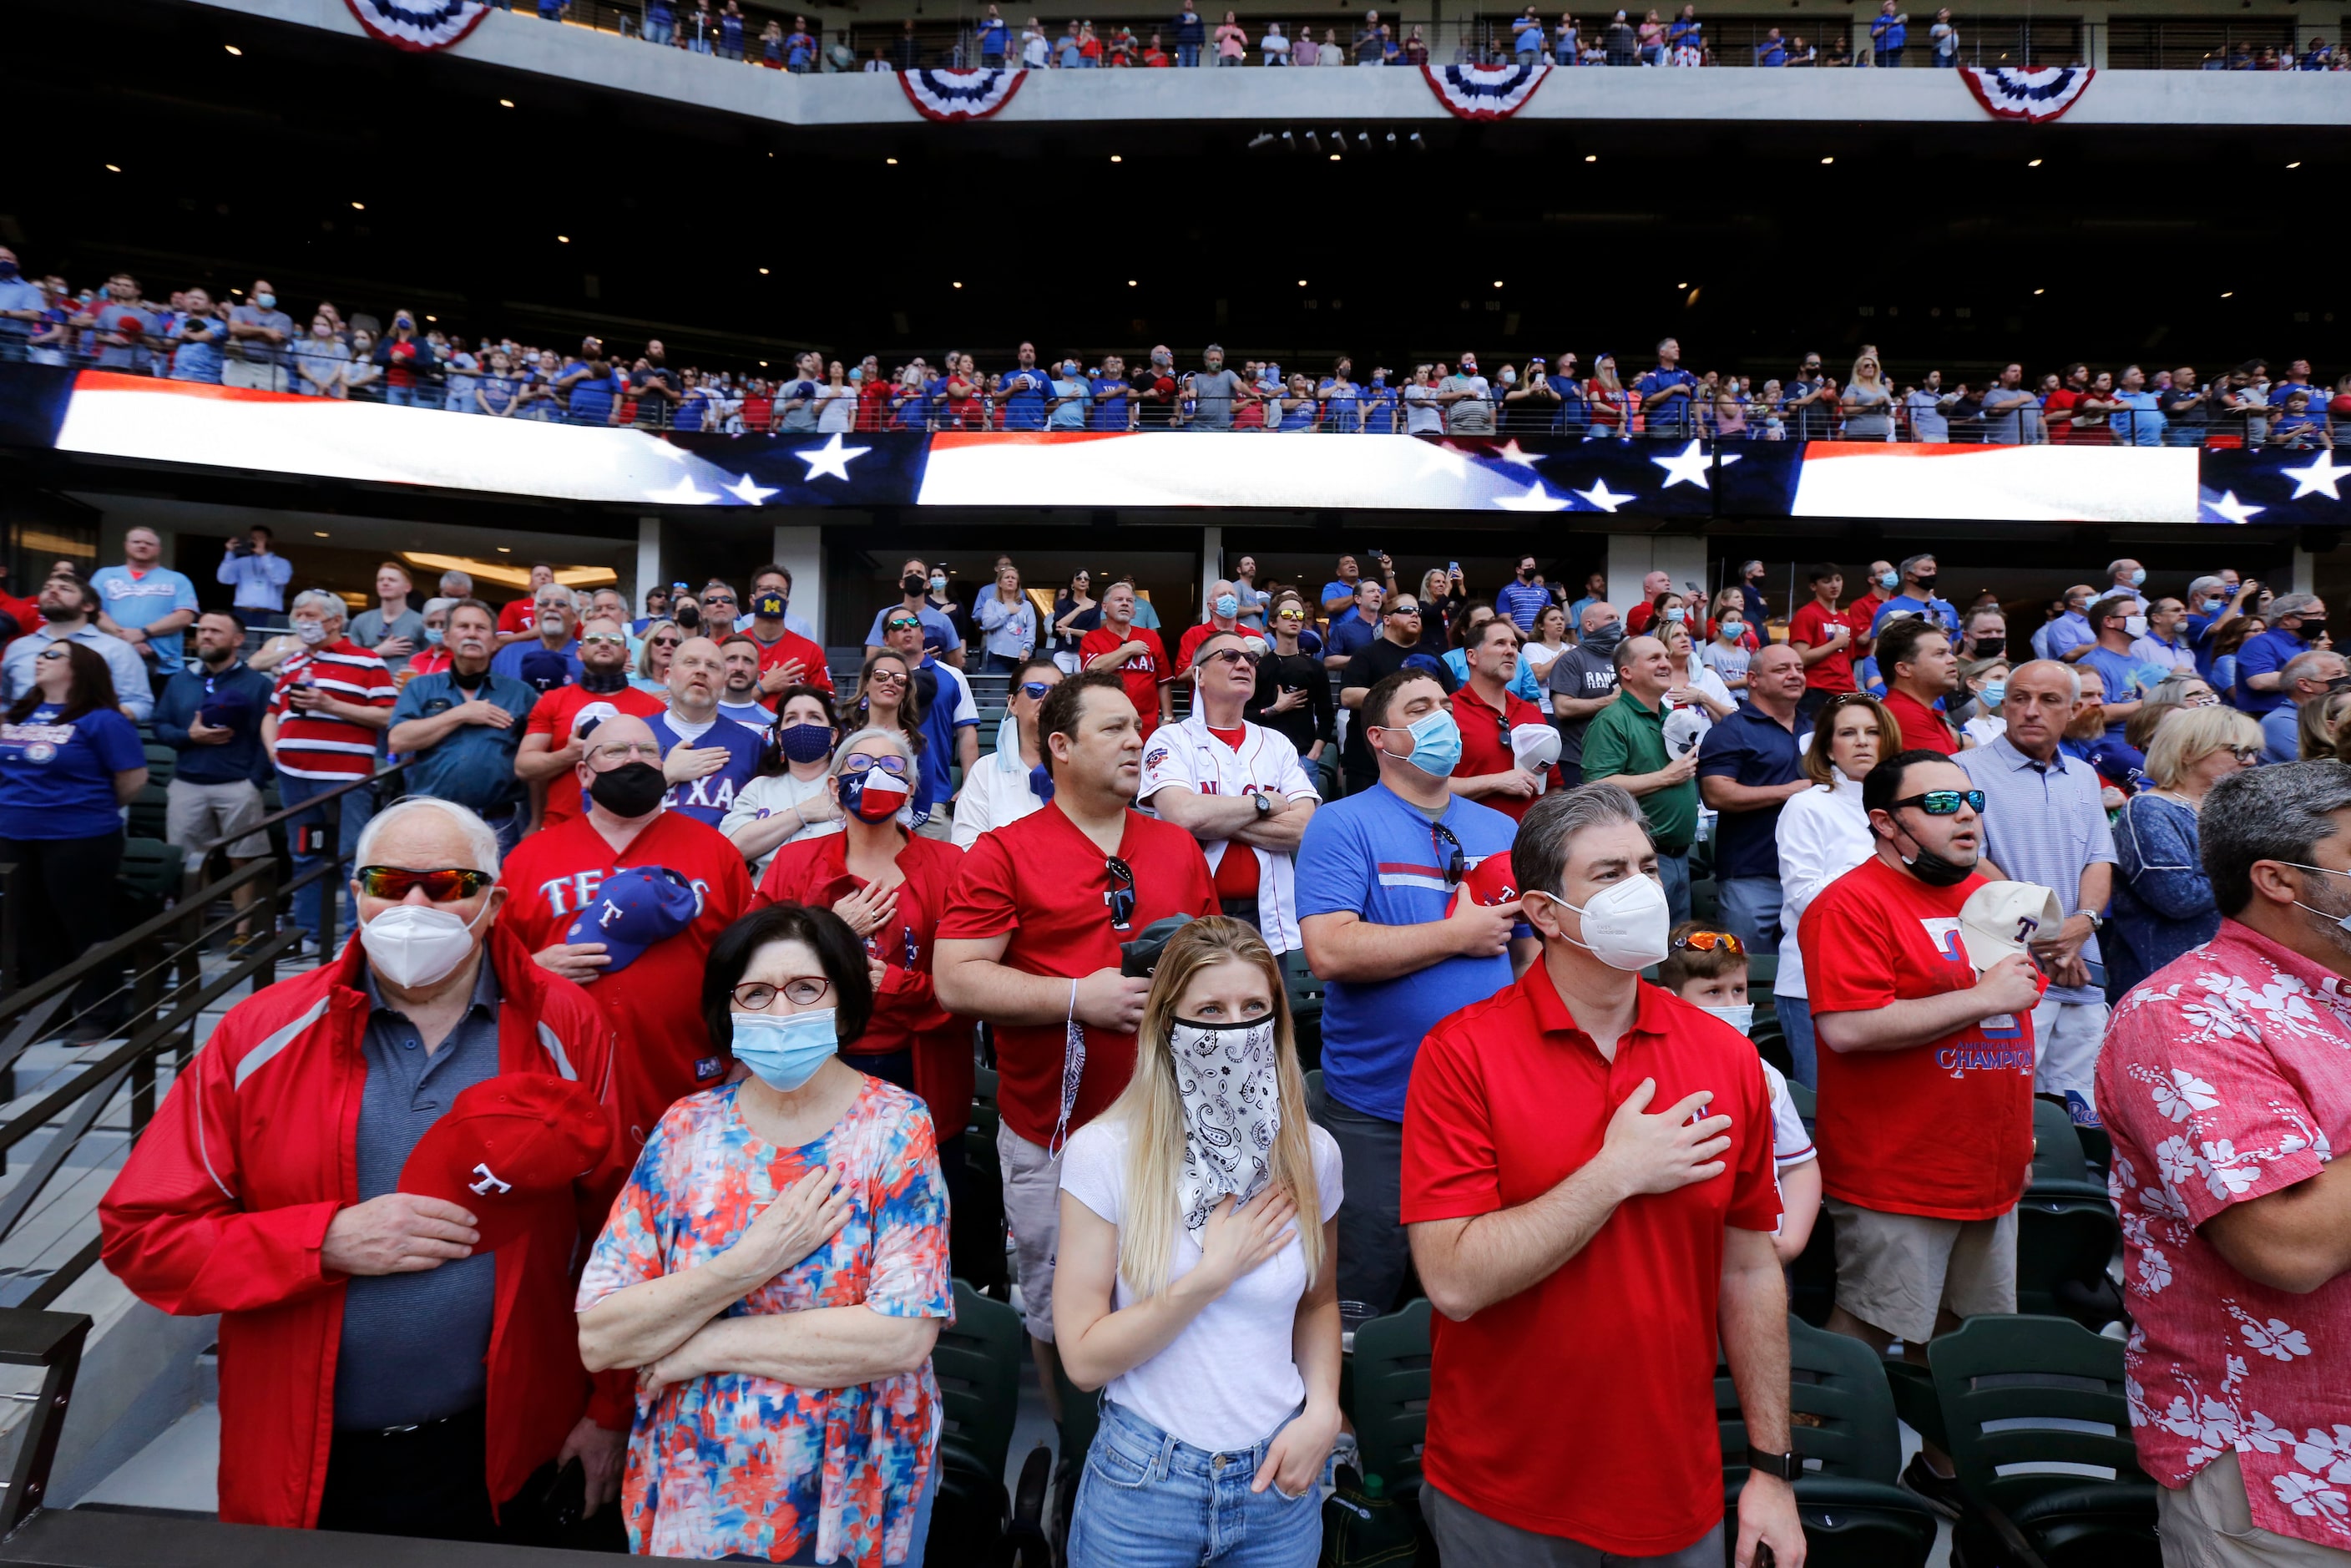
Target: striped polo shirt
{"type": "Point", "coordinates": [316, 747]}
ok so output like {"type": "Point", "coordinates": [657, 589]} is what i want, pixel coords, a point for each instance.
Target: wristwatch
{"type": "Point", "coordinates": [1264, 805]}
{"type": "Point", "coordinates": [2097, 920]}
{"type": "Point", "coordinates": [1787, 1467]}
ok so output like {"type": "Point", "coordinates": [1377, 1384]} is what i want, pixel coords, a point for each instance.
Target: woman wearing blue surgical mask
{"type": "Point", "coordinates": [1986, 681]}
{"type": "Point", "coordinates": [791, 797]}
{"type": "Point", "coordinates": [775, 1270]}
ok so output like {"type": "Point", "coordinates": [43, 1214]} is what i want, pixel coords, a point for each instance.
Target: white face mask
{"type": "Point", "coordinates": [1232, 1111]}
{"type": "Point", "coordinates": [310, 633]}
{"type": "Point", "coordinates": [1624, 927]}
{"type": "Point", "coordinates": [1741, 1018]}
{"type": "Point", "coordinates": [2133, 625]}
{"type": "Point", "coordinates": [414, 944]}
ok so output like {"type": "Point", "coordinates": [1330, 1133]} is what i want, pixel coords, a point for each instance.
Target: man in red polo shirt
{"type": "Point", "coordinates": [1926, 1076]}
{"type": "Point", "coordinates": [649, 990]}
{"type": "Point", "coordinates": [1485, 711]}
{"type": "Point", "coordinates": [1915, 657]}
{"type": "Point", "coordinates": [1224, 615]}
{"type": "Point", "coordinates": [518, 620]}
{"type": "Point", "coordinates": [1824, 636]}
{"type": "Point", "coordinates": [551, 747]}
{"type": "Point", "coordinates": [1589, 1188]}
{"type": "Point", "coordinates": [1134, 654]}
{"type": "Point", "coordinates": [1030, 943]}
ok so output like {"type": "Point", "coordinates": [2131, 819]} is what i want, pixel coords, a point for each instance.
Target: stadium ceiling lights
{"type": "Point", "coordinates": [1827, 161]}
{"type": "Point", "coordinates": [509, 103]}
{"type": "Point", "coordinates": [2032, 163]}
{"type": "Point", "coordinates": [1592, 157]}
{"type": "Point", "coordinates": [2295, 165]}
{"type": "Point", "coordinates": [114, 168]}
{"type": "Point", "coordinates": [358, 207]}
{"type": "Point", "coordinates": [233, 49]}
{"type": "Point", "coordinates": [1116, 158]}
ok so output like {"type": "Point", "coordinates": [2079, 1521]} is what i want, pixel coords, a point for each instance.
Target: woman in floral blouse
{"type": "Point", "coordinates": [777, 1271]}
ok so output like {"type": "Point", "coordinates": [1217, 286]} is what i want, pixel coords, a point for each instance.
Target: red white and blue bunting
{"type": "Point", "coordinates": [2007, 93]}
{"type": "Point", "coordinates": [956, 96]}
{"type": "Point", "coordinates": [1484, 92]}
{"type": "Point", "coordinates": [419, 25]}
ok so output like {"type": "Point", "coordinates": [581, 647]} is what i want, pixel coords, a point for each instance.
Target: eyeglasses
{"type": "Point", "coordinates": [1711, 942]}
{"type": "Point", "coordinates": [758, 995]}
{"type": "Point", "coordinates": [1249, 656]}
{"type": "Point", "coordinates": [392, 882]}
{"type": "Point", "coordinates": [1121, 895]}
{"type": "Point", "coordinates": [860, 762]}
{"type": "Point", "coordinates": [606, 638]}
{"type": "Point", "coordinates": [1947, 802]}
{"type": "Point", "coordinates": [1033, 690]}
{"type": "Point", "coordinates": [2246, 755]}
{"type": "Point", "coordinates": [1448, 848]}
{"type": "Point", "coordinates": [623, 752]}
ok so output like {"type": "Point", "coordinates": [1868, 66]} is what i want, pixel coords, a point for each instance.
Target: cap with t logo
{"type": "Point", "coordinates": [507, 1147]}
{"type": "Point", "coordinates": [633, 910]}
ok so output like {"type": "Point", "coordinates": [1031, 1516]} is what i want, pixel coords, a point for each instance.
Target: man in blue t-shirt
{"type": "Point", "coordinates": [1668, 393]}
{"type": "Point", "coordinates": [1071, 392]}
{"type": "Point", "coordinates": [2296, 621]}
{"type": "Point", "coordinates": [1341, 399]}
{"type": "Point", "coordinates": [913, 588]}
{"type": "Point", "coordinates": [1917, 598]}
{"type": "Point", "coordinates": [1888, 31]}
{"type": "Point", "coordinates": [1021, 392]}
{"type": "Point", "coordinates": [1110, 391]}
{"type": "Point", "coordinates": [1380, 405]}
{"type": "Point", "coordinates": [2120, 619]}
{"type": "Point", "coordinates": [992, 36]}
{"type": "Point", "coordinates": [705, 756]}
{"type": "Point", "coordinates": [145, 604]}
{"type": "Point", "coordinates": [1399, 944]}
{"type": "Point", "coordinates": [1351, 631]}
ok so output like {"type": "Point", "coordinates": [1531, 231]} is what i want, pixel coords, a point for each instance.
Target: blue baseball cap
{"type": "Point", "coordinates": [228, 710]}
{"type": "Point", "coordinates": [543, 671]}
{"type": "Point", "coordinates": [635, 909]}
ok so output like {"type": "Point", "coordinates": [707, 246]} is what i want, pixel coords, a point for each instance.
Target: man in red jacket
{"type": "Point", "coordinates": [378, 1374]}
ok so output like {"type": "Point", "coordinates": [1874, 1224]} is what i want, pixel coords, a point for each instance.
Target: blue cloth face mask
{"type": "Point", "coordinates": [433, 635]}
{"type": "Point", "coordinates": [805, 742]}
{"type": "Point", "coordinates": [1227, 606]}
{"type": "Point", "coordinates": [1889, 581]}
{"type": "Point", "coordinates": [1435, 744]}
{"type": "Point", "coordinates": [785, 1052]}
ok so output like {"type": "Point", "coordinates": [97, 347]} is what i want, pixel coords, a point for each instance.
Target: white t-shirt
{"type": "Point", "coordinates": [1228, 1379]}
{"type": "Point", "coordinates": [1536, 656]}
{"type": "Point", "coordinates": [993, 797]}
{"type": "Point", "coordinates": [1790, 1144]}
{"type": "Point", "coordinates": [766, 797]}
{"type": "Point", "coordinates": [836, 407]}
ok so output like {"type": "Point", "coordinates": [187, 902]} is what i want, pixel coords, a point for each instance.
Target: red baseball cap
{"type": "Point", "coordinates": [506, 1146]}
{"type": "Point", "coordinates": [1489, 882]}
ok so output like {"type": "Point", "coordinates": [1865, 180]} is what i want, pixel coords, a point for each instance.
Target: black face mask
{"type": "Point", "coordinates": [631, 789]}
{"type": "Point", "coordinates": [603, 683]}
{"type": "Point", "coordinates": [1991, 647]}
{"type": "Point", "coordinates": [1926, 583]}
{"type": "Point", "coordinates": [1933, 869]}
{"type": "Point", "coordinates": [2312, 629]}
{"type": "Point", "coordinates": [910, 585]}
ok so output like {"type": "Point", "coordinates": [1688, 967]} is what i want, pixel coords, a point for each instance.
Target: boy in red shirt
{"type": "Point", "coordinates": [1915, 657]}
{"type": "Point", "coordinates": [1824, 636]}
{"type": "Point", "coordinates": [1134, 654]}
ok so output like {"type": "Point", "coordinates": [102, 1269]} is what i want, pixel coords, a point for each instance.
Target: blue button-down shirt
{"type": "Point", "coordinates": [2044, 824]}
{"type": "Point", "coordinates": [259, 579]}
{"type": "Point", "coordinates": [474, 763]}
{"type": "Point", "coordinates": [413, 1345]}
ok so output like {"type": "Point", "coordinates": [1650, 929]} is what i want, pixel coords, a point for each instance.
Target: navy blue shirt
{"type": "Point", "coordinates": [413, 1345]}
{"type": "Point", "coordinates": [474, 763]}
{"type": "Point", "coordinates": [57, 778]}
{"type": "Point", "coordinates": [1350, 633]}
{"type": "Point", "coordinates": [1748, 747]}
{"type": "Point", "coordinates": [185, 697]}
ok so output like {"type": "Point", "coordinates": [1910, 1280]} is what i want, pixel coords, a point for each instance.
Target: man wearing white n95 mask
{"type": "Point", "coordinates": [385, 1365]}
{"type": "Point", "coordinates": [1588, 1184]}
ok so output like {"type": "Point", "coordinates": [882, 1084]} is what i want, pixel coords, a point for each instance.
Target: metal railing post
{"type": "Point", "coordinates": [330, 892]}
{"type": "Point", "coordinates": [52, 1342]}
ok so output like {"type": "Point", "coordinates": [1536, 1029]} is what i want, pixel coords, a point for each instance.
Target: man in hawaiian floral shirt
{"type": "Point", "coordinates": [2226, 1082]}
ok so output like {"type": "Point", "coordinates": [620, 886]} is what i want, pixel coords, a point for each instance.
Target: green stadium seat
{"type": "Point", "coordinates": [162, 763]}
{"type": "Point", "coordinates": [150, 871]}
{"type": "Point", "coordinates": [2066, 1231]}
{"type": "Point", "coordinates": [1390, 1405]}
{"type": "Point", "coordinates": [149, 811]}
{"type": "Point", "coordinates": [978, 1366]}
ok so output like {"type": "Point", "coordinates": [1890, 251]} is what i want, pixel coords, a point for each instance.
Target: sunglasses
{"type": "Point", "coordinates": [1448, 848]}
{"type": "Point", "coordinates": [1411, 610]}
{"type": "Point", "coordinates": [900, 622]}
{"type": "Point", "coordinates": [1121, 895]}
{"type": "Point", "coordinates": [757, 995]}
{"type": "Point", "coordinates": [57, 653]}
{"type": "Point", "coordinates": [860, 762]}
{"type": "Point", "coordinates": [1711, 942]}
{"type": "Point", "coordinates": [607, 639]}
{"type": "Point", "coordinates": [1033, 690]}
{"type": "Point", "coordinates": [886, 677]}
{"type": "Point", "coordinates": [392, 882]}
{"type": "Point", "coordinates": [1947, 802]}
{"type": "Point", "coordinates": [1249, 656]}
{"type": "Point", "coordinates": [667, 642]}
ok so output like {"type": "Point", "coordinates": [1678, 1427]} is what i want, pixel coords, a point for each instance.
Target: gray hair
{"type": "Point", "coordinates": [1910, 563]}
{"type": "Point", "coordinates": [2073, 676]}
{"type": "Point", "coordinates": [2114, 566]}
{"type": "Point", "coordinates": [433, 606]}
{"type": "Point", "coordinates": [456, 584]}
{"type": "Point", "coordinates": [330, 606]}
{"type": "Point", "coordinates": [2305, 666]}
{"type": "Point", "coordinates": [2276, 814]}
{"type": "Point", "coordinates": [2202, 586]}
{"type": "Point", "coordinates": [1538, 853]}
{"type": "Point", "coordinates": [481, 839]}
{"type": "Point", "coordinates": [897, 739]}
{"type": "Point", "coordinates": [2286, 604]}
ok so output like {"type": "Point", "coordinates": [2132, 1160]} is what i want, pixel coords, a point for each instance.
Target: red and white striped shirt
{"type": "Point", "coordinates": [317, 746]}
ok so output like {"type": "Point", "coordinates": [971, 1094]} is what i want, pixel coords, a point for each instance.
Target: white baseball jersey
{"type": "Point", "coordinates": [1185, 754]}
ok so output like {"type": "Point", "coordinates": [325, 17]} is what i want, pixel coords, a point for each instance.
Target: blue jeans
{"type": "Point", "coordinates": [659, 29]}
{"type": "Point", "coordinates": [1795, 1016]}
{"type": "Point", "coordinates": [1150, 1502]}
{"type": "Point", "coordinates": [357, 809]}
{"type": "Point", "coordinates": [1751, 911]}
{"type": "Point", "coordinates": [401, 397]}
{"type": "Point", "coordinates": [1187, 54]}
{"type": "Point", "coordinates": [1889, 58]}
{"type": "Point", "coordinates": [1674, 871]}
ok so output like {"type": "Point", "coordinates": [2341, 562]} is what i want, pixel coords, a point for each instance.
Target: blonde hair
{"type": "Point", "coordinates": [2187, 734]}
{"type": "Point", "coordinates": [2314, 724]}
{"type": "Point", "coordinates": [1878, 377]}
{"type": "Point", "coordinates": [1153, 1108]}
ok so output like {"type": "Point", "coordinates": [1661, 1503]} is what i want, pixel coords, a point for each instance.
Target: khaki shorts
{"type": "Point", "coordinates": [2208, 1524]}
{"type": "Point", "coordinates": [1893, 1271]}
{"type": "Point", "coordinates": [1032, 1207]}
{"type": "Point", "coordinates": [198, 814]}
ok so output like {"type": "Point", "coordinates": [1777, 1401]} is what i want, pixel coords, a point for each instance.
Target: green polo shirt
{"type": "Point", "coordinates": [1628, 737]}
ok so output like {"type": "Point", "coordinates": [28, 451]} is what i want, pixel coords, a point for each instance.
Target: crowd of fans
{"type": "Point", "coordinates": [1988, 859]}
{"type": "Point", "coordinates": [416, 363]}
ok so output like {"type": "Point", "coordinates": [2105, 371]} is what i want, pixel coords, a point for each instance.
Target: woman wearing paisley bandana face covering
{"type": "Point", "coordinates": [790, 799]}
{"type": "Point", "coordinates": [1195, 1279]}
{"type": "Point", "coordinates": [889, 884]}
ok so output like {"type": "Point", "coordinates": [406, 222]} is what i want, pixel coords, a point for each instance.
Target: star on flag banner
{"type": "Point", "coordinates": [1484, 92]}
{"type": "Point", "coordinates": [2008, 93]}
{"type": "Point", "coordinates": [418, 26]}
{"type": "Point", "coordinates": [956, 96]}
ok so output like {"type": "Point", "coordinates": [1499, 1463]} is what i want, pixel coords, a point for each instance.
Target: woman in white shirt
{"type": "Point", "coordinates": [1007, 623]}
{"type": "Point", "coordinates": [1699, 687]}
{"type": "Point", "coordinates": [1986, 681]}
{"type": "Point", "coordinates": [836, 402]}
{"type": "Point", "coordinates": [1550, 640]}
{"type": "Point", "coordinates": [1195, 1279]}
{"type": "Point", "coordinates": [788, 800]}
{"type": "Point", "coordinates": [1003, 788]}
{"type": "Point", "coordinates": [1823, 833]}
